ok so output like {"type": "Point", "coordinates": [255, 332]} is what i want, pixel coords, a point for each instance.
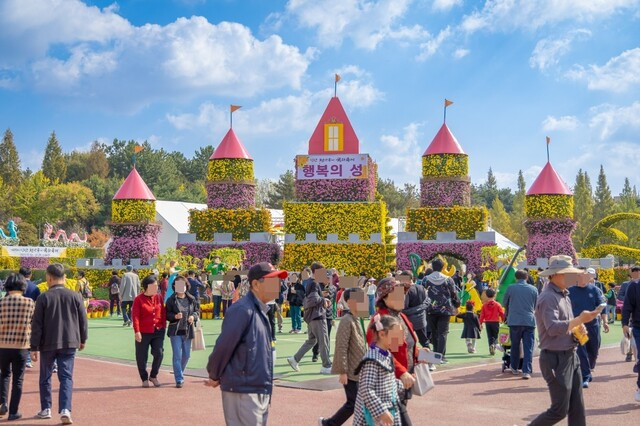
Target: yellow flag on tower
{"type": "Point", "coordinates": [447, 102]}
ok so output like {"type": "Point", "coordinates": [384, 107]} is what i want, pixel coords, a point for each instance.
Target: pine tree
{"type": "Point", "coordinates": [500, 220]}
{"type": "Point", "coordinates": [582, 208]}
{"type": "Point", "coordinates": [518, 215]}
{"type": "Point", "coordinates": [628, 203]}
{"type": "Point", "coordinates": [54, 165]}
{"type": "Point", "coordinates": [604, 204]}
{"type": "Point", "coordinates": [9, 161]}
{"type": "Point", "coordinates": [283, 190]}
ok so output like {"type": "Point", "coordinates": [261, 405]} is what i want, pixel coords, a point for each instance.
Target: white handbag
{"type": "Point", "coordinates": [197, 344]}
{"type": "Point", "coordinates": [424, 381]}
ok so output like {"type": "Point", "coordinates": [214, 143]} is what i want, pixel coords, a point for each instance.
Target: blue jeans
{"type": "Point", "coordinates": [217, 301]}
{"type": "Point", "coordinates": [524, 334]}
{"type": "Point", "coordinates": [636, 335]}
{"type": "Point", "coordinates": [372, 304]}
{"type": "Point", "coordinates": [65, 358]}
{"type": "Point", "coordinates": [126, 314]}
{"type": "Point", "coordinates": [611, 313]}
{"type": "Point", "coordinates": [296, 317]}
{"type": "Point", "coordinates": [181, 347]}
{"type": "Point", "coordinates": [588, 353]}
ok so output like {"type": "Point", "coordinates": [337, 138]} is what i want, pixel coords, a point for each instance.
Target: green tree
{"type": "Point", "coordinates": [54, 165]}
{"type": "Point", "coordinates": [263, 188]}
{"type": "Point", "coordinates": [69, 204]}
{"type": "Point", "coordinates": [518, 215]}
{"type": "Point", "coordinates": [628, 203]}
{"type": "Point", "coordinates": [582, 208]}
{"type": "Point", "coordinates": [26, 198]}
{"type": "Point", "coordinates": [83, 165]}
{"type": "Point", "coordinates": [103, 191]}
{"type": "Point", "coordinates": [283, 190]}
{"type": "Point", "coordinates": [604, 204]}
{"type": "Point", "coordinates": [199, 164]}
{"type": "Point", "coordinates": [500, 220]}
{"type": "Point", "coordinates": [397, 200]}
{"type": "Point", "coordinates": [28, 234]}
{"type": "Point", "coordinates": [9, 161]}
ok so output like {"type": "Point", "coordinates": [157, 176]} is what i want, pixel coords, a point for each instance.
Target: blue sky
{"type": "Point", "coordinates": [166, 71]}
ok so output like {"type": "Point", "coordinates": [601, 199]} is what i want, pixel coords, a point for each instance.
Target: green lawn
{"type": "Point", "coordinates": [108, 339]}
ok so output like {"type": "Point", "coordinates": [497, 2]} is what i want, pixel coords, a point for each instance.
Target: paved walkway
{"type": "Point", "coordinates": [108, 393]}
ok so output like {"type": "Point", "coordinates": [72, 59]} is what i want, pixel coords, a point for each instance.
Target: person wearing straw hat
{"type": "Point", "coordinates": [559, 362]}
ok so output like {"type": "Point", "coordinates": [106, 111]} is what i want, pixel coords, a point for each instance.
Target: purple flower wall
{"type": "Point", "coordinates": [133, 242]}
{"type": "Point", "coordinates": [549, 238]}
{"type": "Point", "coordinates": [338, 189]}
{"type": "Point", "coordinates": [444, 193]}
{"type": "Point", "coordinates": [254, 252]}
{"type": "Point", "coordinates": [34, 262]}
{"type": "Point", "coordinates": [470, 253]}
{"type": "Point", "coordinates": [227, 195]}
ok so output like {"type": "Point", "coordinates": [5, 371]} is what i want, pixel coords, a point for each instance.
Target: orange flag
{"type": "Point", "coordinates": [138, 148]}
{"type": "Point", "coordinates": [235, 108]}
{"type": "Point", "coordinates": [338, 78]}
{"type": "Point", "coordinates": [548, 140]}
{"type": "Point", "coordinates": [447, 102]}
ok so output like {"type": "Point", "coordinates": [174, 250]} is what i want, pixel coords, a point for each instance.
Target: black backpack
{"type": "Point", "coordinates": [439, 297]}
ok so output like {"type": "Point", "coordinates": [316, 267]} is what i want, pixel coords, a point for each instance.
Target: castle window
{"type": "Point", "coordinates": [333, 137]}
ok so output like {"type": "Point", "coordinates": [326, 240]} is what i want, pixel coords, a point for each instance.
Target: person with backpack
{"type": "Point", "coordinates": [83, 288]}
{"type": "Point", "coordinates": [114, 292]}
{"type": "Point", "coordinates": [443, 302]}
{"type": "Point", "coordinates": [611, 296]}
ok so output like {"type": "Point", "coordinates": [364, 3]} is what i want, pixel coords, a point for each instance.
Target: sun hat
{"type": "Point", "coordinates": [591, 271]}
{"type": "Point", "coordinates": [560, 264]}
{"type": "Point", "coordinates": [385, 286]}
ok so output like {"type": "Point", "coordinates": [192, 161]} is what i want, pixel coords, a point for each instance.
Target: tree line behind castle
{"type": "Point", "coordinates": [73, 191]}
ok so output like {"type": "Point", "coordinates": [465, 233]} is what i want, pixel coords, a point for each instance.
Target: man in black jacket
{"type": "Point", "coordinates": [59, 328]}
{"type": "Point", "coordinates": [415, 306]}
{"type": "Point", "coordinates": [631, 323]}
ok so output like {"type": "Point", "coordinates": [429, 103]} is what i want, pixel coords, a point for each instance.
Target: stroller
{"type": "Point", "coordinates": [504, 342]}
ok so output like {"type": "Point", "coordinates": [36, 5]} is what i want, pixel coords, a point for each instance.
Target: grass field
{"type": "Point", "coordinates": [108, 339]}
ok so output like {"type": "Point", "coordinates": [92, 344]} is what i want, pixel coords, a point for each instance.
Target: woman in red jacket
{"type": "Point", "coordinates": [149, 321]}
{"type": "Point", "coordinates": [390, 301]}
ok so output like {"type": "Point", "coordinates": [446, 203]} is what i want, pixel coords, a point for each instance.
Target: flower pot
{"type": "Point", "coordinates": [209, 315]}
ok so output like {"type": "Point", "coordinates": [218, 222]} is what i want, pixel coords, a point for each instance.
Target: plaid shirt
{"type": "Point", "coordinates": [16, 312]}
{"type": "Point", "coordinates": [378, 389]}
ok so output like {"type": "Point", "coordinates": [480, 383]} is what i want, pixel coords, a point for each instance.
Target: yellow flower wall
{"type": "Point", "coordinates": [239, 222]}
{"type": "Point", "coordinates": [335, 218]}
{"type": "Point", "coordinates": [230, 169]}
{"type": "Point", "coordinates": [132, 211]}
{"type": "Point", "coordinates": [465, 221]}
{"type": "Point", "coordinates": [445, 165]}
{"type": "Point", "coordinates": [549, 206]}
{"type": "Point", "coordinates": [352, 258]}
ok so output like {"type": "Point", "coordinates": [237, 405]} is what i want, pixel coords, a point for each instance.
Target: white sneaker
{"type": "Point", "coordinates": [65, 417]}
{"type": "Point", "coordinates": [526, 376]}
{"type": "Point", "coordinates": [44, 414]}
{"type": "Point", "coordinates": [432, 367]}
{"type": "Point", "coordinates": [515, 372]}
{"type": "Point", "coordinates": [293, 363]}
{"type": "Point", "coordinates": [325, 370]}
{"type": "Point", "coordinates": [638, 395]}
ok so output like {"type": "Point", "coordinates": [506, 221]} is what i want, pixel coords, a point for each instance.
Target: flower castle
{"type": "Point", "coordinates": [133, 225]}
{"type": "Point", "coordinates": [336, 219]}
{"type": "Point", "coordinates": [445, 222]}
{"type": "Point", "coordinates": [549, 210]}
{"type": "Point", "coordinates": [231, 218]}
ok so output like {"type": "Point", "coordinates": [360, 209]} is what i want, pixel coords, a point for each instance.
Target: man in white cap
{"type": "Point", "coordinates": [559, 363]}
{"type": "Point", "coordinates": [585, 296]}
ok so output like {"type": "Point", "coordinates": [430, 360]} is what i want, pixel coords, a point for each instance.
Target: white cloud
{"type": "Point", "coordinates": [122, 66]}
{"type": "Point", "coordinates": [548, 51]}
{"type": "Point", "coordinates": [609, 120]}
{"type": "Point", "coordinates": [563, 123]}
{"type": "Point", "coordinates": [400, 157]}
{"type": "Point", "coordinates": [619, 74]}
{"type": "Point", "coordinates": [430, 47]}
{"type": "Point", "coordinates": [367, 23]}
{"type": "Point", "coordinates": [508, 15]}
{"type": "Point", "coordinates": [445, 5]}
{"type": "Point", "coordinates": [284, 114]}
{"type": "Point", "coordinates": [460, 53]}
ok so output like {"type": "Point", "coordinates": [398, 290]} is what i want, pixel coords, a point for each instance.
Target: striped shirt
{"type": "Point", "coordinates": [16, 312]}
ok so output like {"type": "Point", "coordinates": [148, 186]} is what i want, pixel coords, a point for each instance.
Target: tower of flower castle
{"type": "Point", "coordinates": [549, 210]}
{"type": "Point", "coordinates": [445, 222]}
{"type": "Point", "coordinates": [133, 223]}
{"type": "Point", "coordinates": [231, 218]}
{"type": "Point", "coordinates": [335, 218]}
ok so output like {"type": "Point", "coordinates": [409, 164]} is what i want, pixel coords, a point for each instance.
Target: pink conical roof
{"type": "Point", "coordinates": [230, 147]}
{"type": "Point", "coordinates": [134, 188]}
{"type": "Point", "coordinates": [549, 182]}
{"type": "Point", "coordinates": [444, 143]}
{"type": "Point", "coordinates": [334, 113]}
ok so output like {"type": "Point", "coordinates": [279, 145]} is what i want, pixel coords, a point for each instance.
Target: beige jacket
{"type": "Point", "coordinates": [350, 347]}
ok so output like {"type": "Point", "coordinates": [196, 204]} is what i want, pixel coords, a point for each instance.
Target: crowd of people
{"type": "Point", "coordinates": [386, 329]}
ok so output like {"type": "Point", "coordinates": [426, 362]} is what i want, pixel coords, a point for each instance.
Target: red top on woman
{"type": "Point", "coordinates": [148, 314]}
{"type": "Point", "coordinates": [401, 357]}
